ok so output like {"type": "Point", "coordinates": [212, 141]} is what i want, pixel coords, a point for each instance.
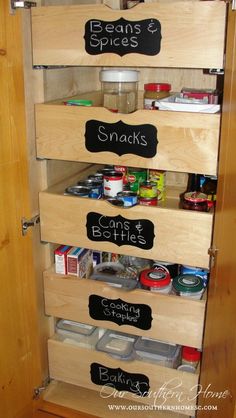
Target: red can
{"type": "Point", "coordinates": [122, 169]}
{"type": "Point", "coordinates": [146, 201]}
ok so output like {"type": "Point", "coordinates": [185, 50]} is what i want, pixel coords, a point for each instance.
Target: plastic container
{"type": "Point", "coordinates": [156, 351]}
{"type": "Point", "coordinates": [173, 268]}
{"type": "Point", "coordinates": [188, 285]}
{"type": "Point", "coordinates": [156, 280]}
{"type": "Point", "coordinates": [120, 90]}
{"type": "Point", "coordinates": [117, 344]}
{"type": "Point", "coordinates": [155, 91]}
{"type": "Point", "coordinates": [186, 368]}
{"type": "Point", "coordinates": [115, 274]}
{"type": "Point", "coordinates": [77, 333]}
{"type": "Point", "coordinates": [190, 356]}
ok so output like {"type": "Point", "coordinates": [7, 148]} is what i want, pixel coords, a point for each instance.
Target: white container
{"type": "Point", "coordinates": [120, 90]}
{"type": "Point", "coordinates": [77, 333]}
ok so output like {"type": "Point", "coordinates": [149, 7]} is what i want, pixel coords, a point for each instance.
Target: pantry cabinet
{"type": "Point", "coordinates": [46, 147]}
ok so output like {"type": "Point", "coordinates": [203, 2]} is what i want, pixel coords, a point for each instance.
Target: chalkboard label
{"type": "Point", "coordinates": [121, 138]}
{"type": "Point", "coordinates": [120, 231]}
{"type": "Point", "coordinates": [119, 379]}
{"type": "Point", "coordinates": [120, 312]}
{"type": "Point", "coordinates": [123, 36]}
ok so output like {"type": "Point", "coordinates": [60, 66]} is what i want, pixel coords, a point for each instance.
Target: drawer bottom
{"type": "Point", "coordinates": [65, 399]}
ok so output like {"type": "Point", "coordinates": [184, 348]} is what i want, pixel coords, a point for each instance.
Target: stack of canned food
{"type": "Point", "coordinates": [123, 186]}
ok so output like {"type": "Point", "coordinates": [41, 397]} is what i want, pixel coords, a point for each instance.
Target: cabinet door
{"type": "Point", "coordinates": [19, 346]}
{"type": "Point", "coordinates": [219, 362]}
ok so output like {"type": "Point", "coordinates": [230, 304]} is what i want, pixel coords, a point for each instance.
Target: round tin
{"type": "Point", "coordinates": [148, 189]}
{"type": "Point", "coordinates": [112, 183]}
{"type": "Point", "coordinates": [129, 198]}
{"type": "Point", "coordinates": [188, 285]}
{"type": "Point", "coordinates": [145, 201]}
{"type": "Point", "coordinates": [76, 190]}
{"type": "Point", "coordinates": [135, 177]}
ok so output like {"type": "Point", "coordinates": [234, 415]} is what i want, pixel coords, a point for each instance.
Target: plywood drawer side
{"type": "Point", "coordinates": [186, 141]}
{"type": "Point", "coordinates": [174, 319]}
{"type": "Point", "coordinates": [186, 42]}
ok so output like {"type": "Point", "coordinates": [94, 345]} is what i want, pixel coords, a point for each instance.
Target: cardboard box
{"type": "Point", "coordinates": [60, 254]}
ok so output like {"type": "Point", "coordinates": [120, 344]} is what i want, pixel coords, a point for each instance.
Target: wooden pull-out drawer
{"type": "Point", "coordinates": [157, 233]}
{"type": "Point", "coordinates": [188, 34]}
{"type": "Point", "coordinates": [173, 141]}
{"type": "Point", "coordinates": [81, 366]}
{"type": "Point", "coordinates": [170, 318]}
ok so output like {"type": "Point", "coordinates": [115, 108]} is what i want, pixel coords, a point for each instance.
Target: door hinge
{"type": "Point", "coordinates": [212, 252]}
{"type": "Point", "coordinates": [27, 223]}
{"type": "Point", "coordinates": [233, 4]}
{"type": "Point", "coordinates": [38, 390]}
{"type": "Point", "coordinates": [15, 4]}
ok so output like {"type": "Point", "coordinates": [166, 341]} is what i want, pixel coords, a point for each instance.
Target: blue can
{"type": "Point", "coordinates": [95, 188]}
{"type": "Point", "coordinates": [129, 198]}
{"type": "Point", "coordinates": [197, 271]}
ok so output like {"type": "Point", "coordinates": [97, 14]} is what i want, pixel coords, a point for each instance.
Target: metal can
{"type": "Point", "coordinates": [112, 183]}
{"type": "Point", "coordinates": [147, 201]}
{"type": "Point", "coordinates": [159, 177]}
{"type": "Point", "coordinates": [129, 198]}
{"type": "Point", "coordinates": [76, 190]}
{"type": "Point", "coordinates": [95, 187]}
{"type": "Point", "coordinates": [135, 177]}
{"type": "Point", "coordinates": [148, 189]}
{"type": "Point", "coordinates": [116, 202]}
{"type": "Point", "coordinates": [122, 169]}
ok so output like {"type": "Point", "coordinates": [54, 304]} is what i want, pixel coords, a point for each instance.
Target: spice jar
{"type": "Point", "coordinates": [190, 356]}
{"type": "Point", "coordinates": [156, 280]}
{"type": "Point", "coordinates": [155, 91]}
{"type": "Point", "coordinates": [195, 201]}
{"type": "Point", "coordinates": [188, 285]}
{"type": "Point", "coordinates": [120, 90]}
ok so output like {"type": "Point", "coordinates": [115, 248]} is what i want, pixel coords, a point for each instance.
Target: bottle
{"type": "Point", "coordinates": [190, 356]}
{"type": "Point", "coordinates": [209, 187]}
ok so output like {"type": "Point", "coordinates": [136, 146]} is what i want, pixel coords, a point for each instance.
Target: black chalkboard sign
{"type": "Point", "coordinates": [120, 231]}
{"type": "Point", "coordinates": [123, 36]}
{"type": "Point", "coordinates": [120, 312]}
{"type": "Point", "coordinates": [121, 138]}
{"type": "Point", "coordinates": [136, 383]}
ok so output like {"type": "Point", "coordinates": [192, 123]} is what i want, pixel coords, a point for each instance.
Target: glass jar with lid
{"type": "Point", "coordinates": [120, 90]}
{"type": "Point", "coordinates": [155, 91]}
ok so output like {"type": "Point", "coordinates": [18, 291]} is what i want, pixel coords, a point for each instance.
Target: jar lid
{"type": "Point", "coordinates": [188, 283]}
{"type": "Point", "coordinates": [78, 102]}
{"type": "Point", "coordinates": [190, 354]}
{"type": "Point", "coordinates": [124, 76]}
{"type": "Point", "coordinates": [157, 87]}
{"type": "Point", "coordinates": [155, 277]}
{"type": "Point", "coordinates": [195, 197]}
